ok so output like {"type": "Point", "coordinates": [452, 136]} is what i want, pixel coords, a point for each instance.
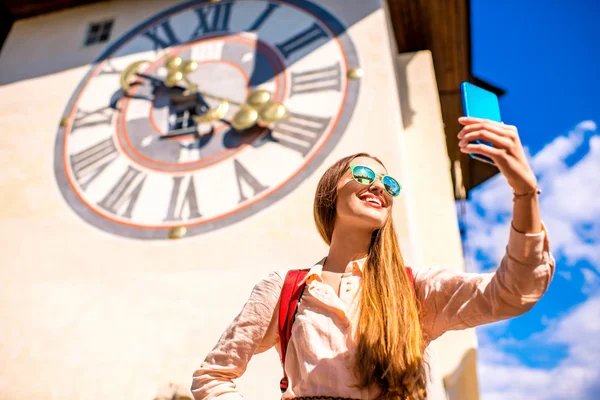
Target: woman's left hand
{"type": "Point", "coordinates": [507, 153]}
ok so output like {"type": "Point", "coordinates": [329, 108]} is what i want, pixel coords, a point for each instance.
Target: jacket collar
{"type": "Point", "coordinates": [315, 273]}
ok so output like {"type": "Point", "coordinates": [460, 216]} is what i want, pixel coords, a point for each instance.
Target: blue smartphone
{"type": "Point", "coordinates": [480, 103]}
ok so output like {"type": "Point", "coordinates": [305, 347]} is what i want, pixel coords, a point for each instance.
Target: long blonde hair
{"type": "Point", "coordinates": [389, 338]}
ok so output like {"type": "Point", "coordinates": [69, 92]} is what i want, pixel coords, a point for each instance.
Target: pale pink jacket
{"type": "Point", "coordinates": [321, 350]}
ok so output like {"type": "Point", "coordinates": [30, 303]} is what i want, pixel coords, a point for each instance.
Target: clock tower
{"type": "Point", "coordinates": [162, 158]}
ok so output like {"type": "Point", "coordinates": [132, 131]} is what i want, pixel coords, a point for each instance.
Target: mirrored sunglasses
{"type": "Point", "coordinates": [366, 176]}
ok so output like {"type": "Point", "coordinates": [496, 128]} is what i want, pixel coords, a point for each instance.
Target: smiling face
{"type": "Point", "coordinates": [363, 206]}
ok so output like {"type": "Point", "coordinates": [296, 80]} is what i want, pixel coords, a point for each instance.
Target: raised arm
{"type": "Point", "coordinates": [509, 156]}
{"type": "Point", "coordinates": [253, 331]}
{"type": "Point", "coordinates": [452, 300]}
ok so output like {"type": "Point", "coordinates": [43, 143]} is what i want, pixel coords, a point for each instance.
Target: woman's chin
{"type": "Point", "coordinates": [371, 220]}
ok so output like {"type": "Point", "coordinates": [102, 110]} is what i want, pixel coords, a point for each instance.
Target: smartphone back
{"type": "Point", "coordinates": [479, 103]}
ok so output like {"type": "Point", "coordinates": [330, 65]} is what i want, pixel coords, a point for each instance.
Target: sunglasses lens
{"type": "Point", "coordinates": [391, 186]}
{"type": "Point", "coordinates": [363, 175]}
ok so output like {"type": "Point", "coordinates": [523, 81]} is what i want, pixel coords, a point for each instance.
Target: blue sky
{"type": "Point", "coordinates": [544, 55]}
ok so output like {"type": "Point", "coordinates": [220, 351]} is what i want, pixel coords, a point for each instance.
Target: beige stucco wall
{"type": "Point", "coordinates": [89, 315]}
{"type": "Point", "coordinates": [432, 216]}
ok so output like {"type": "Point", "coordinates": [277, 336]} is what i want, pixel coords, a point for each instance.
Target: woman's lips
{"type": "Point", "coordinates": [372, 200]}
{"type": "Point", "coordinates": [371, 203]}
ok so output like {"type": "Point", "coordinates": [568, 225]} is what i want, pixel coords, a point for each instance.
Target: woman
{"type": "Point", "coordinates": [362, 325]}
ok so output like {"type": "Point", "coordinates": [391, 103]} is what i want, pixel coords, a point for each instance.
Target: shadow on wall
{"type": "Point", "coordinates": [464, 384]}
{"type": "Point", "coordinates": [6, 23]}
{"type": "Point", "coordinates": [51, 43]}
{"type": "Point", "coordinates": [403, 90]}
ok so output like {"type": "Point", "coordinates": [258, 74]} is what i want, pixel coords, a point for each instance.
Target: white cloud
{"type": "Point", "coordinates": [570, 202]}
{"type": "Point", "coordinates": [574, 206]}
{"type": "Point", "coordinates": [577, 376]}
{"type": "Point", "coordinates": [592, 281]}
{"type": "Point", "coordinates": [580, 329]}
{"type": "Point", "coordinates": [551, 157]}
{"type": "Point", "coordinates": [570, 206]}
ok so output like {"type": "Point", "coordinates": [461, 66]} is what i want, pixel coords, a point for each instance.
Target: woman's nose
{"type": "Point", "coordinates": [377, 185]}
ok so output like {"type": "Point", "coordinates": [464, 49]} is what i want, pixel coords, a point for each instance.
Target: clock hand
{"type": "Point", "coordinates": [159, 81]}
{"type": "Point", "coordinates": [153, 79]}
{"type": "Point", "coordinates": [186, 132]}
{"type": "Point", "coordinates": [213, 114]}
{"type": "Point", "coordinates": [178, 69]}
{"type": "Point", "coordinates": [129, 72]}
{"type": "Point", "coordinates": [272, 112]}
{"type": "Point", "coordinates": [258, 108]}
{"type": "Point", "coordinates": [219, 98]}
{"type": "Point", "coordinates": [210, 115]}
{"type": "Point", "coordinates": [178, 134]}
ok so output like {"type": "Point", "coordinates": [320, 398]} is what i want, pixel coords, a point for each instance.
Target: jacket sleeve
{"type": "Point", "coordinates": [253, 331]}
{"type": "Point", "coordinates": [453, 300]}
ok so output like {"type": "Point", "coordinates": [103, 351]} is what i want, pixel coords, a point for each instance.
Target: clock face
{"type": "Point", "coordinates": [205, 114]}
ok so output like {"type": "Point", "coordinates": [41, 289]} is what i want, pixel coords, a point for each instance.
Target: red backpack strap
{"type": "Point", "coordinates": [411, 277]}
{"type": "Point", "coordinates": [288, 305]}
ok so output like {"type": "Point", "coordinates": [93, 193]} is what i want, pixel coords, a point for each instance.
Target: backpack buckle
{"type": "Point", "coordinates": [283, 384]}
